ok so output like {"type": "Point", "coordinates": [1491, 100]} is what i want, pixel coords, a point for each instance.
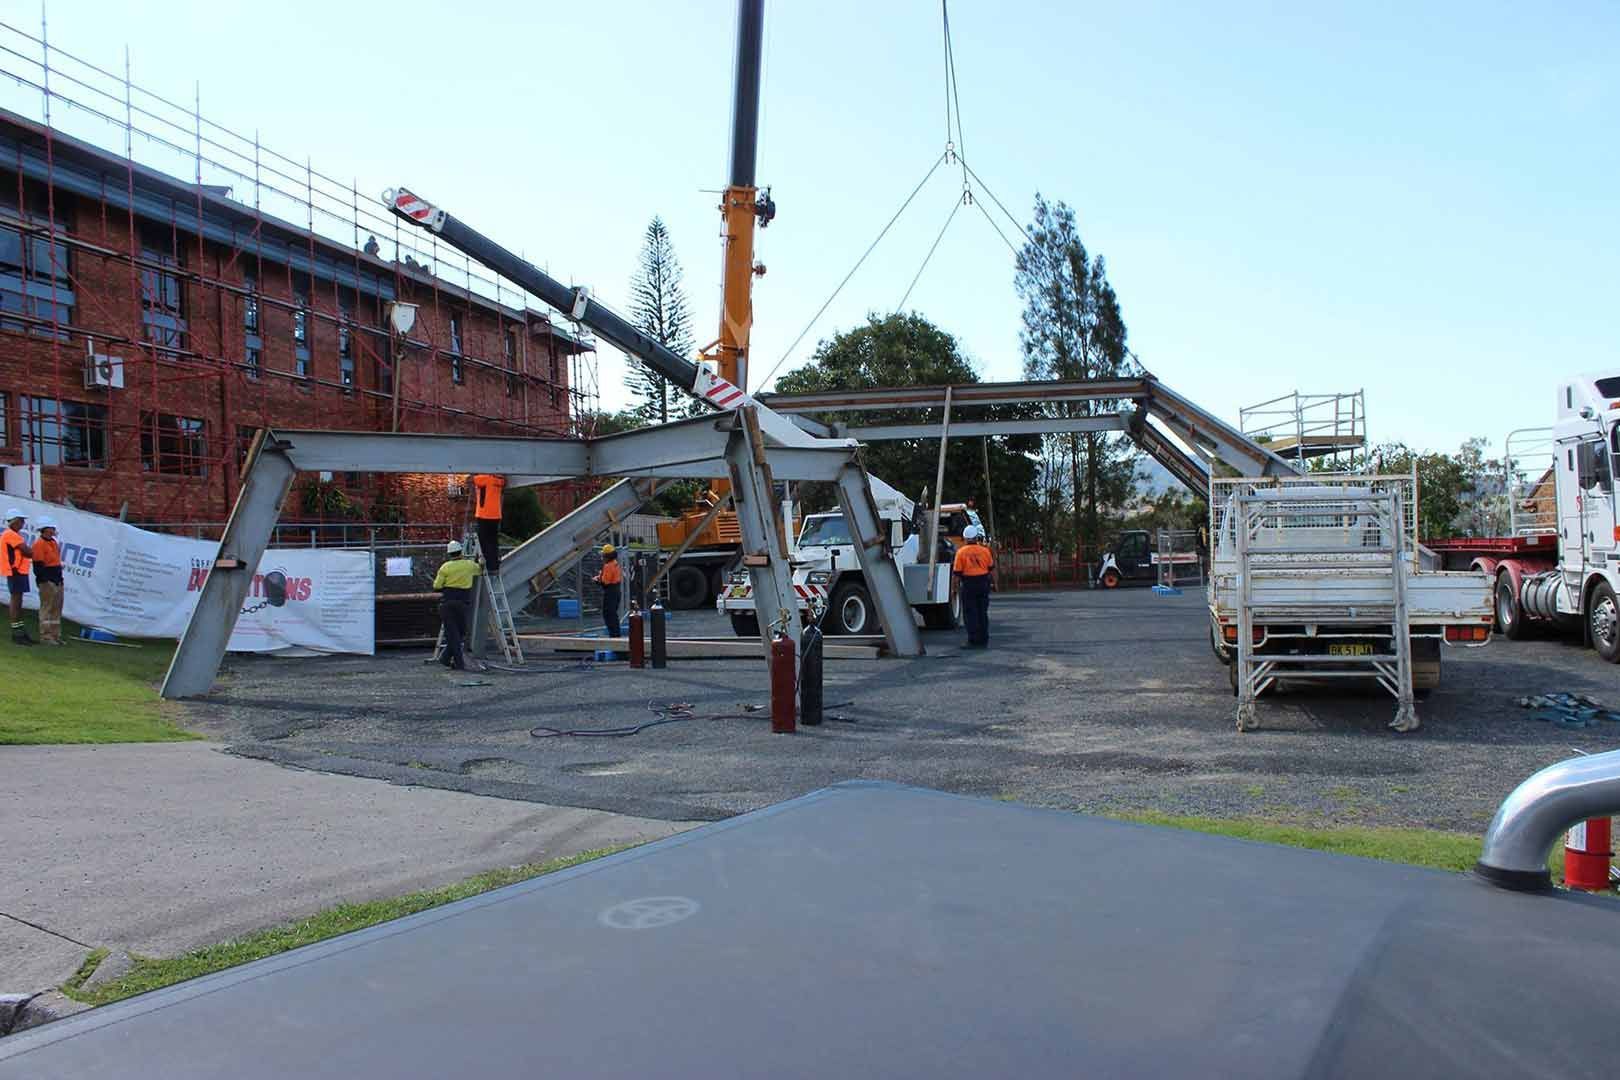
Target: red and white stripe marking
{"type": "Point", "coordinates": [411, 206]}
{"type": "Point", "coordinates": [725, 394]}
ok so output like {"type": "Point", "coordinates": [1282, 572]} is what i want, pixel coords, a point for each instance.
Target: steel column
{"type": "Point", "coordinates": [265, 483]}
{"type": "Point", "coordinates": [763, 542]}
{"type": "Point", "coordinates": [888, 592]}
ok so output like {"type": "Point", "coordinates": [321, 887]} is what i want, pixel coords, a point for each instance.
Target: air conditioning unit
{"type": "Point", "coordinates": [453, 487]}
{"type": "Point", "coordinates": [105, 372]}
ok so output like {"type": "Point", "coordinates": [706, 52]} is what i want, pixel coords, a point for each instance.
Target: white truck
{"type": "Point", "coordinates": [827, 576]}
{"type": "Point", "coordinates": [1561, 562]}
{"type": "Point", "coordinates": [1321, 577]}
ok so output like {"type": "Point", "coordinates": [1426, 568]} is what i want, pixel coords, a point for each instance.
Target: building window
{"type": "Point", "coordinates": [253, 342]}
{"type": "Point", "coordinates": [34, 279]}
{"type": "Point", "coordinates": [301, 327]}
{"type": "Point", "coordinates": [511, 363]}
{"type": "Point", "coordinates": [346, 342]}
{"type": "Point", "coordinates": [162, 299]}
{"type": "Point", "coordinates": [173, 445]}
{"type": "Point", "coordinates": [63, 433]}
{"type": "Point", "coordinates": [385, 359]}
{"type": "Point", "coordinates": [4, 413]}
{"type": "Point", "coordinates": [455, 334]}
{"type": "Point", "coordinates": [244, 443]}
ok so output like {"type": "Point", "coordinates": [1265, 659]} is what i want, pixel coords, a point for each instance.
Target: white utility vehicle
{"type": "Point", "coordinates": [1321, 577]}
{"type": "Point", "coordinates": [827, 575]}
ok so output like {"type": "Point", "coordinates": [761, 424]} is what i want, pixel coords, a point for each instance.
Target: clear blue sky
{"type": "Point", "coordinates": [1418, 199]}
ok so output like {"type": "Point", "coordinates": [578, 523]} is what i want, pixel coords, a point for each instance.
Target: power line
{"type": "Point", "coordinates": [870, 248]}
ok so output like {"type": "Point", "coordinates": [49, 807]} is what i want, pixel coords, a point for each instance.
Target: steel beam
{"type": "Point", "coordinates": [1157, 445]}
{"type": "Point", "coordinates": [764, 543]}
{"type": "Point", "coordinates": [266, 480]}
{"type": "Point", "coordinates": [968, 428]}
{"type": "Point", "coordinates": [1206, 432]}
{"type": "Point", "coordinates": [883, 581]}
{"type": "Point", "coordinates": [697, 448]}
{"type": "Point", "coordinates": [962, 395]}
{"type": "Point", "coordinates": [364, 451]}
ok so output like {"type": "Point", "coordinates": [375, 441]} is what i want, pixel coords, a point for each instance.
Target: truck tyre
{"type": "Point", "coordinates": [1603, 622]}
{"type": "Point", "coordinates": [688, 587]}
{"type": "Point", "coordinates": [745, 624]}
{"type": "Point", "coordinates": [1110, 579]}
{"type": "Point", "coordinates": [1223, 652]}
{"type": "Point", "coordinates": [1426, 655]}
{"type": "Point", "coordinates": [1509, 615]}
{"type": "Point", "coordinates": [943, 616]}
{"type": "Point", "coordinates": [852, 610]}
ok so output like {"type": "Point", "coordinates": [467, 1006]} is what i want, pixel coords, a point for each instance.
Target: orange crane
{"type": "Point", "coordinates": [708, 538]}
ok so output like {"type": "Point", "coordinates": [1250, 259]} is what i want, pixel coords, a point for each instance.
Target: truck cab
{"type": "Point", "coordinates": [1586, 438]}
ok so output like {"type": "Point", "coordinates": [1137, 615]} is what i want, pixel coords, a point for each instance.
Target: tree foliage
{"type": "Point", "coordinates": [672, 500]}
{"type": "Point", "coordinates": [909, 350]}
{"type": "Point", "coordinates": [658, 309]}
{"type": "Point", "coordinates": [1073, 329]}
{"type": "Point", "coordinates": [1459, 494]}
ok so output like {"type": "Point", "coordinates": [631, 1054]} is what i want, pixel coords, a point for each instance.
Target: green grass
{"type": "Point", "coordinates": [154, 973]}
{"type": "Point", "coordinates": [1419, 847]}
{"type": "Point", "coordinates": [84, 693]}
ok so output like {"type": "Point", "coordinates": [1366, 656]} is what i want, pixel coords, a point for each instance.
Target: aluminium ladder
{"type": "Point", "coordinates": [1299, 554]}
{"type": "Point", "coordinates": [498, 610]}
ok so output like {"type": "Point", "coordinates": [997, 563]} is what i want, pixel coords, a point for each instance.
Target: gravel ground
{"type": "Point", "coordinates": [1091, 700]}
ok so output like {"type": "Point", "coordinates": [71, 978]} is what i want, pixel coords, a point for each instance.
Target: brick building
{"type": "Point", "coordinates": [149, 326]}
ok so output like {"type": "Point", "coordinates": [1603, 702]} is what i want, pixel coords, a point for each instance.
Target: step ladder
{"type": "Point", "coordinates": [494, 605]}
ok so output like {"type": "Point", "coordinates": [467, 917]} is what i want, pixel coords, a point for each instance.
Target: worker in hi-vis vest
{"type": "Point", "coordinates": [487, 491]}
{"type": "Point", "coordinates": [48, 576]}
{"type": "Point", "coordinates": [972, 568]}
{"type": "Point", "coordinates": [14, 562]}
{"type": "Point", "coordinates": [454, 584]}
{"type": "Point", "coordinates": [611, 578]}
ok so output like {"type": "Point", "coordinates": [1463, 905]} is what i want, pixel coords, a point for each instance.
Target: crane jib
{"type": "Point", "coordinates": [693, 378]}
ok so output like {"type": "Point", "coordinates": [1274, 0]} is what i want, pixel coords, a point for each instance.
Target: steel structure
{"type": "Point", "coordinates": [1302, 426]}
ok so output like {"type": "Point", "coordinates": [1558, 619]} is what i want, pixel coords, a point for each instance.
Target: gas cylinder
{"type": "Point", "coordinates": [1586, 855]}
{"type": "Point", "coordinates": [782, 685]}
{"type": "Point", "coordinates": [660, 648]}
{"type": "Point", "coordinates": [638, 644]}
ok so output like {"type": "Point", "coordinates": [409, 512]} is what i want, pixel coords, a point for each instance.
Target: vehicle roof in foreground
{"type": "Point", "coordinates": [874, 930]}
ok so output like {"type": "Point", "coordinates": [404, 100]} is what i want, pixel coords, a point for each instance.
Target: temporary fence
{"type": "Point", "coordinates": [1035, 567]}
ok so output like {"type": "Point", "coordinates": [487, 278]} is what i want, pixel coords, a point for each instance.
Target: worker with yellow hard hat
{"type": "Point", "coordinates": [611, 578]}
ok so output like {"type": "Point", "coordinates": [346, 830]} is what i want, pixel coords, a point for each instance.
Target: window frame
{"type": "Point", "coordinates": [35, 444]}
{"type": "Point", "coordinates": [186, 454]}
{"type": "Point", "coordinates": [40, 293]}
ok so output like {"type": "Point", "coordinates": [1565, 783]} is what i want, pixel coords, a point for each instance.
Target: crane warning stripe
{"type": "Point", "coordinates": [411, 206]}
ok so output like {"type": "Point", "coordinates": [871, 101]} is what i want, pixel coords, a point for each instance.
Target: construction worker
{"type": "Point", "coordinates": [972, 569]}
{"type": "Point", "coordinates": [611, 578]}
{"type": "Point", "coordinates": [48, 576]}
{"type": "Point", "coordinates": [487, 491]}
{"type": "Point", "coordinates": [15, 558]}
{"type": "Point", "coordinates": [454, 584]}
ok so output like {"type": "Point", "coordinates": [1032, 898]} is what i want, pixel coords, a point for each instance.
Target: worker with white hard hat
{"type": "Point", "coordinates": [454, 584]}
{"type": "Point", "coordinates": [611, 578]}
{"type": "Point", "coordinates": [972, 568]}
{"type": "Point", "coordinates": [48, 576]}
{"type": "Point", "coordinates": [15, 559]}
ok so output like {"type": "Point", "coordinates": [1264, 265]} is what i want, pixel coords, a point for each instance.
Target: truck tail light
{"type": "Point", "coordinates": [1468, 633]}
{"type": "Point", "coordinates": [1229, 634]}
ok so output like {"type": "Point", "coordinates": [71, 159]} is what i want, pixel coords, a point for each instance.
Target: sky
{"type": "Point", "coordinates": [1417, 200]}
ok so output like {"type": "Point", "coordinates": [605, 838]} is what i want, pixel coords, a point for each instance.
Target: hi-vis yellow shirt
{"type": "Point", "coordinates": [456, 574]}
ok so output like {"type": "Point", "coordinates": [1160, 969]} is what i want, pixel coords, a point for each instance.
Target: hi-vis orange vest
{"type": "Point", "coordinates": [611, 573]}
{"type": "Point", "coordinates": [973, 560]}
{"type": "Point", "coordinates": [488, 488]}
{"type": "Point", "coordinates": [12, 560]}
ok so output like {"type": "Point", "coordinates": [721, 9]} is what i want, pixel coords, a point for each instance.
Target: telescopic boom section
{"type": "Point", "coordinates": [697, 380]}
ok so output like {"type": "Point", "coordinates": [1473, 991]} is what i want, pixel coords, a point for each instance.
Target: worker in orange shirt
{"type": "Point", "coordinates": [611, 578]}
{"type": "Point", "coordinates": [14, 562]}
{"type": "Point", "coordinates": [487, 491]}
{"type": "Point", "coordinates": [972, 569]}
{"type": "Point", "coordinates": [48, 576]}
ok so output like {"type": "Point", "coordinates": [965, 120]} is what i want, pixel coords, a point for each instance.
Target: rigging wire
{"type": "Point", "coordinates": [1016, 223]}
{"type": "Point", "coordinates": [870, 248]}
{"type": "Point", "coordinates": [954, 89]}
{"type": "Point", "coordinates": [1010, 247]}
{"type": "Point", "coordinates": [955, 206]}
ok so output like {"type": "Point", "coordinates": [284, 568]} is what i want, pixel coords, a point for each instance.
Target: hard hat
{"type": "Point", "coordinates": [13, 514]}
{"type": "Point", "coordinates": [972, 532]}
{"type": "Point", "coordinates": [453, 548]}
{"type": "Point", "coordinates": [608, 549]}
{"type": "Point", "coordinates": [45, 522]}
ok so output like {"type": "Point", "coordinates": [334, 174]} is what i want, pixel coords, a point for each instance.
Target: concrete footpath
{"type": "Point", "coordinates": [159, 848]}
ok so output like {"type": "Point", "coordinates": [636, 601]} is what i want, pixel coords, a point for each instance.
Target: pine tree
{"type": "Point", "coordinates": [658, 309]}
{"type": "Point", "coordinates": [1073, 329]}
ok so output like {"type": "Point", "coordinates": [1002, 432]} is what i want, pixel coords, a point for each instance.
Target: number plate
{"type": "Point", "coordinates": [1350, 650]}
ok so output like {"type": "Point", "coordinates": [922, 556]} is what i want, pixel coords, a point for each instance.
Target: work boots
{"type": "Point", "coordinates": [19, 636]}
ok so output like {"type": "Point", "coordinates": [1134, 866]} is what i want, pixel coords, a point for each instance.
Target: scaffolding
{"type": "Point", "coordinates": [111, 315]}
{"type": "Point", "coordinates": [1300, 426]}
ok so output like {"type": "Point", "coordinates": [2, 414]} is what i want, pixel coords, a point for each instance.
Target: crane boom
{"type": "Point", "coordinates": [696, 379]}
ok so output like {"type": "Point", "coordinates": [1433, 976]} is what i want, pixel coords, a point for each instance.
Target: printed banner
{"type": "Point", "coordinates": [145, 585]}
